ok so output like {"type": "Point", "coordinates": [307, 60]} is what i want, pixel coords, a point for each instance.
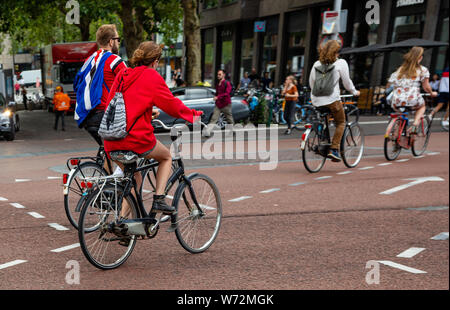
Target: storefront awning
{"type": "Point", "coordinates": [374, 48]}
{"type": "Point", "coordinates": [416, 42]}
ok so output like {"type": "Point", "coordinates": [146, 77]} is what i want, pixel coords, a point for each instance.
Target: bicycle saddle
{"type": "Point", "coordinates": [323, 110]}
{"type": "Point", "coordinates": [124, 157]}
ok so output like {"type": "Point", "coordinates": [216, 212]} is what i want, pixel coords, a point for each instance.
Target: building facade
{"type": "Point", "coordinates": [281, 37]}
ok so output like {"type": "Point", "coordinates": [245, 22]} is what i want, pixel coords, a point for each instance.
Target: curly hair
{"type": "Point", "coordinates": [146, 54]}
{"type": "Point", "coordinates": [328, 52]}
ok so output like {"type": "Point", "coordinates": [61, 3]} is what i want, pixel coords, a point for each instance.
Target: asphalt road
{"type": "Point", "coordinates": [282, 228]}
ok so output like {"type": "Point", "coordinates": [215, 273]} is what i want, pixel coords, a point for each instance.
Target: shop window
{"type": "Point", "coordinates": [208, 4]}
{"type": "Point", "coordinates": [208, 50]}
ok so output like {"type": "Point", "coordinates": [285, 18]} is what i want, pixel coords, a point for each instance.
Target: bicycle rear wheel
{"type": "Point", "coordinates": [313, 160]}
{"type": "Point", "coordinates": [391, 148]}
{"type": "Point", "coordinates": [352, 145]}
{"type": "Point", "coordinates": [197, 229]}
{"type": "Point", "coordinates": [102, 245]}
{"type": "Point", "coordinates": [74, 192]}
{"type": "Point", "coordinates": [422, 137]}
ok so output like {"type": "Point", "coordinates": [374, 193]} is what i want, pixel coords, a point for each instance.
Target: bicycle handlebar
{"type": "Point", "coordinates": [175, 126]}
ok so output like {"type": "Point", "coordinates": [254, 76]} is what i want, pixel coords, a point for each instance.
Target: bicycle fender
{"type": "Point", "coordinates": [69, 178]}
{"type": "Point", "coordinates": [304, 138]}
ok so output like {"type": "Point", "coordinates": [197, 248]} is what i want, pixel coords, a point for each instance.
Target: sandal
{"type": "Point", "coordinates": [413, 130]}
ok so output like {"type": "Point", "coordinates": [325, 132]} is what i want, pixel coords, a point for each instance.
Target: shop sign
{"type": "Point", "coordinates": [260, 26]}
{"type": "Point", "coordinates": [401, 3]}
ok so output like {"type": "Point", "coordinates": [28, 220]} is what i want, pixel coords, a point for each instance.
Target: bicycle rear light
{"type": "Point", "coordinates": [303, 137]}
{"type": "Point", "coordinates": [83, 185]}
{"type": "Point", "coordinates": [89, 185]}
{"type": "Point", "coordinates": [74, 162]}
{"type": "Point", "coordinates": [65, 178]}
{"type": "Point", "coordinates": [308, 126]}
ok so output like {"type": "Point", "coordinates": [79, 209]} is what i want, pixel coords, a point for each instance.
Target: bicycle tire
{"type": "Point", "coordinates": [85, 235]}
{"type": "Point", "coordinates": [70, 204]}
{"type": "Point", "coordinates": [422, 138]}
{"type": "Point", "coordinates": [390, 142]}
{"type": "Point", "coordinates": [349, 139]}
{"type": "Point", "coordinates": [312, 160]}
{"type": "Point", "coordinates": [188, 218]}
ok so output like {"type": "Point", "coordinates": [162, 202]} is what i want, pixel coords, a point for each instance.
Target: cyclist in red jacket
{"type": "Point", "coordinates": [143, 88]}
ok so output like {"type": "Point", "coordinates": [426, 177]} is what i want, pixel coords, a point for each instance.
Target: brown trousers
{"type": "Point", "coordinates": [337, 110]}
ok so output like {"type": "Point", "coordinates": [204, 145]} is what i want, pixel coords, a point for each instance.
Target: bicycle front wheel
{"type": "Point", "coordinates": [391, 147]}
{"type": "Point", "coordinates": [422, 137]}
{"type": "Point", "coordinates": [198, 223]}
{"type": "Point", "coordinates": [103, 245]}
{"type": "Point", "coordinates": [352, 146]}
{"type": "Point", "coordinates": [74, 192]}
{"type": "Point", "coordinates": [313, 160]}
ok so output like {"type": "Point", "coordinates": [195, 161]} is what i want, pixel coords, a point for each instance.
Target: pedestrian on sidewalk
{"type": "Point", "coordinates": [324, 83]}
{"type": "Point", "coordinates": [290, 93]}
{"type": "Point", "coordinates": [442, 99]}
{"type": "Point", "coordinates": [223, 102]}
{"type": "Point", "coordinates": [24, 98]}
{"type": "Point", "coordinates": [61, 102]}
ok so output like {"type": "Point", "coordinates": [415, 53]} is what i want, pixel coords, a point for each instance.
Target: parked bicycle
{"type": "Point", "coordinates": [398, 136]}
{"type": "Point", "coordinates": [316, 140]}
{"type": "Point", "coordinates": [112, 218]}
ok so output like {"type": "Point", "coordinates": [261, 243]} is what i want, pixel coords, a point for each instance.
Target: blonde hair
{"type": "Point", "coordinates": [105, 33]}
{"type": "Point", "coordinates": [410, 63]}
{"type": "Point", "coordinates": [293, 79]}
{"type": "Point", "coordinates": [328, 52]}
{"type": "Point", "coordinates": [146, 53]}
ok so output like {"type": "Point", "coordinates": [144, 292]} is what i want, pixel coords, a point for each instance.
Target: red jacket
{"type": "Point", "coordinates": [143, 88]}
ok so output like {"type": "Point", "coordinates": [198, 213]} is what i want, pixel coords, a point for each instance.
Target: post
{"type": "Point", "coordinates": [337, 8]}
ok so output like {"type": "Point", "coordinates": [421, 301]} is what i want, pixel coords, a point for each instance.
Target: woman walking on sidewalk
{"type": "Point", "coordinates": [290, 94]}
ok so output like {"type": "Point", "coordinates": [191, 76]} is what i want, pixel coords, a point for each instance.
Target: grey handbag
{"type": "Point", "coordinates": [113, 126]}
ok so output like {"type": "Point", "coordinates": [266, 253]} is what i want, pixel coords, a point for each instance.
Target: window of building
{"type": "Point", "coordinates": [296, 29]}
{"type": "Point", "coordinates": [227, 49]}
{"type": "Point", "coordinates": [269, 59]}
{"type": "Point", "coordinates": [208, 4]}
{"type": "Point", "coordinates": [246, 49]}
{"type": "Point", "coordinates": [442, 54]}
{"type": "Point", "coordinates": [208, 48]}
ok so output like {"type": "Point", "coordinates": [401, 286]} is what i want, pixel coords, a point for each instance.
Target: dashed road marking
{"type": "Point", "coordinates": [270, 190]}
{"type": "Point", "coordinates": [297, 184]}
{"type": "Point", "coordinates": [53, 178]}
{"type": "Point", "coordinates": [17, 205]}
{"type": "Point", "coordinates": [240, 198]}
{"type": "Point", "coordinates": [384, 164]}
{"type": "Point", "coordinates": [36, 215]}
{"type": "Point", "coordinates": [3, 199]}
{"type": "Point", "coordinates": [366, 168]}
{"type": "Point", "coordinates": [402, 160]}
{"type": "Point", "coordinates": [441, 236]}
{"type": "Point", "coordinates": [57, 226]}
{"type": "Point", "coordinates": [66, 248]}
{"type": "Point", "coordinates": [22, 180]}
{"type": "Point", "coordinates": [324, 177]}
{"type": "Point", "coordinates": [411, 252]}
{"type": "Point", "coordinates": [13, 263]}
{"type": "Point", "coordinates": [433, 153]}
{"type": "Point", "coordinates": [428, 208]}
{"type": "Point", "coordinates": [344, 172]}
{"type": "Point", "coordinates": [400, 266]}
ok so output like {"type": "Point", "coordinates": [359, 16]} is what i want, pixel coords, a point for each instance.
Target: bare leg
{"type": "Point", "coordinates": [437, 108]}
{"type": "Point", "coordinates": [162, 155]}
{"type": "Point", "coordinates": [419, 113]}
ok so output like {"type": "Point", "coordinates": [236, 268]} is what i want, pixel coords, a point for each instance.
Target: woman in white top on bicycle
{"type": "Point", "coordinates": [407, 81]}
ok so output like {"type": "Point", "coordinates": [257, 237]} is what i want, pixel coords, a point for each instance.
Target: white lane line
{"type": "Point", "coordinates": [324, 177]}
{"type": "Point", "coordinates": [240, 198]}
{"type": "Point", "coordinates": [421, 156]}
{"type": "Point", "coordinates": [17, 205]}
{"type": "Point", "coordinates": [66, 248]}
{"type": "Point", "coordinates": [366, 168]}
{"type": "Point", "coordinates": [411, 252]}
{"type": "Point", "coordinates": [415, 181]}
{"type": "Point", "coordinates": [433, 153]}
{"type": "Point", "coordinates": [57, 226]}
{"type": "Point", "coordinates": [3, 199]}
{"type": "Point", "coordinates": [13, 263]}
{"type": "Point", "coordinates": [297, 184]}
{"type": "Point", "coordinates": [344, 172]}
{"type": "Point", "coordinates": [384, 164]}
{"type": "Point", "coordinates": [53, 178]}
{"type": "Point", "coordinates": [22, 180]}
{"type": "Point", "coordinates": [270, 190]}
{"type": "Point", "coordinates": [36, 215]}
{"type": "Point", "coordinates": [441, 236]}
{"type": "Point", "coordinates": [400, 266]}
{"type": "Point", "coordinates": [402, 160]}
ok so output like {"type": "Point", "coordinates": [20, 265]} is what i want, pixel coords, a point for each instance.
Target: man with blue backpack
{"type": "Point", "coordinates": [94, 81]}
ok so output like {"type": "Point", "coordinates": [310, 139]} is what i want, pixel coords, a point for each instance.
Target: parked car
{"type": "Point", "coordinates": [9, 120]}
{"type": "Point", "coordinates": [202, 99]}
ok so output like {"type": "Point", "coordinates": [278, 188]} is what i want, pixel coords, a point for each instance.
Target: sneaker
{"type": "Point", "coordinates": [288, 132]}
{"type": "Point", "coordinates": [334, 155]}
{"type": "Point", "coordinates": [445, 123]}
{"type": "Point", "coordinates": [160, 206]}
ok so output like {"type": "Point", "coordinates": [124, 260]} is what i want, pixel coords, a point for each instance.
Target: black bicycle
{"type": "Point", "coordinates": [112, 218]}
{"type": "Point", "coordinates": [316, 141]}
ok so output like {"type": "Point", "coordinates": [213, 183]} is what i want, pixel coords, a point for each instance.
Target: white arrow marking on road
{"type": "Point", "coordinates": [13, 263]}
{"type": "Point", "coordinates": [415, 181]}
{"type": "Point", "coordinates": [401, 267]}
{"type": "Point", "coordinates": [411, 252]}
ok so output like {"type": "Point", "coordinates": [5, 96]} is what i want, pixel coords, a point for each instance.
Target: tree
{"type": "Point", "coordinates": [193, 41]}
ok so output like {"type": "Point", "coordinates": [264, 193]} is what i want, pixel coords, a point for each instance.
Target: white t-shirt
{"type": "Point", "coordinates": [341, 71]}
{"type": "Point", "coordinates": [443, 85]}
